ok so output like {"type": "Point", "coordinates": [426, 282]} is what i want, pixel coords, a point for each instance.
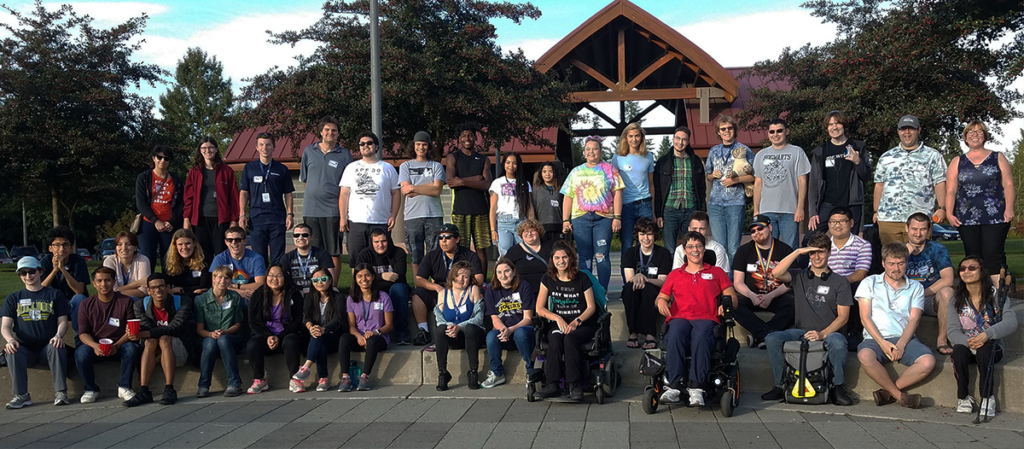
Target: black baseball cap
{"type": "Point", "coordinates": [449, 228]}
{"type": "Point", "coordinates": [760, 220]}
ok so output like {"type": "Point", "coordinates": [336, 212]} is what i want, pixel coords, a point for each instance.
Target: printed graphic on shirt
{"type": "Point", "coordinates": [775, 172]}
{"type": "Point", "coordinates": [510, 306]}
{"type": "Point", "coordinates": [508, 189]}
{"type": "Point", "coordinates": [364, 180]}
{"type": "Point", "coordinates": [765, 282]}
{"type": "Point", "coordinates": [816, 296]}
{"type": "Point", "coordinates": [29, 310]}
{"type": "Point", "coordinates": [240, 277]}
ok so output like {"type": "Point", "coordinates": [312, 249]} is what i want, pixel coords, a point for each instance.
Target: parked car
{"type": "Point", "coordinates": [85, 254]}
{"type": "Point", "coordinates": [106, 248]}
{"type": "Point", "coordinates": [5, 255]}
{"type": "Point", "coordinates": [944, 232]}
{"type": "Point", "coordinates": [21, 251]}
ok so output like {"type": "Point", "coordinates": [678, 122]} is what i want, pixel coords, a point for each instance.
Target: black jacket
{"type": "Point", "coordinates": [144, 197]}
{"type": "Point", "coordinates": [663, 171]}
{"type": "Point", "coordinates": [816, 181]}
{"type": "Point", "coordinates": [336, 321]}
{"type": "Point", "coordinates": [258, 321]}
{"type": "Point", "coordinates": [179, 322]}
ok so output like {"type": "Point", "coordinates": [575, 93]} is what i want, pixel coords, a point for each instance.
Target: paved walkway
{"type": "Point", "coordinates": [396, 417]}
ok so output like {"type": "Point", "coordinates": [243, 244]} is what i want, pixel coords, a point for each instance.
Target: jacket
{"type": "Point", "coordinates": [663, 171]}
{"type": "Point", "coordinates": [227, 194]}
{"type": "Point", "coordinates": [144, 198]}
{"type": "Point", "coordinates": [311, 311]}
{"type": "Point", "coordinates": [258, 321]}
{"type": "Point", "coordinates": [955, 331]}
{"type": "Point", "coordinates": [816, 181]}
{"type": "Point", "coordinates": [179, 322]}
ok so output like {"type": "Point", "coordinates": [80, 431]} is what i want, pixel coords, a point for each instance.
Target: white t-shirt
{"type": "Point", "coordinates": [505, 188]}
{"type": "Point", "coordinates": [371, 184]}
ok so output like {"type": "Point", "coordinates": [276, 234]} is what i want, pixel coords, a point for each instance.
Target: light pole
{"type": "Point", "coordinates": [375, 77]}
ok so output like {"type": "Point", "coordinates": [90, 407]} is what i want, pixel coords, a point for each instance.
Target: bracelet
{"type": "Point", "coordinates": [291, 214]}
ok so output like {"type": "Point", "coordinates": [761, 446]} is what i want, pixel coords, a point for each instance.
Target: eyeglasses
{"type": "Point", "coordinates": [162, 158]}
{"type": "Point", "coordinates": [971, 268]}
{"type": "Point", "coordinates": [60, 245]}
{"type": "Point", "coordinates": [445, 237]}
{"type": "Point", "coordinates": [365, 144]}
{"type": "Point", "coordinates": [836, 223]}
{"type": "Point", "coordinates": [976, 132]}
{"type": "Point", "coordinates": [27, 271]}
{"type": "Point", "coordinates": [321, 279]}
{"type": "Point", "coordinates": [275, 276]}
{"type": "Point", "coordinates": [301, 236]}
{"type": "Point", "coordinates": [776, 131]}
{"type": "Point", "coordinates": [756, 228]}
{"type": "Point", "coordinates": [207, 147]}
{"type": "Point", "coordinates": [726, 128]}
{"type": "Point", "coordinates": [233, 240]}
{"type": "Point", "coordinates": [154, 287]}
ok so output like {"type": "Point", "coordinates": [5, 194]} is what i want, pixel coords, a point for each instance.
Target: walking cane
{"type": "Point", "coordinates": [989, 375]}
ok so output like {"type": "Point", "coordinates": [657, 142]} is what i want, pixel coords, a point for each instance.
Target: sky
{"type": "Point", "coordinates": [235, 31]}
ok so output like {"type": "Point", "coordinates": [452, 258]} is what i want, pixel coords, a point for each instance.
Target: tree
{"type": "Point", "coordinates": [440, 67]}
{"type": "Point", "coordinates": [1018, 180]}
{"type": "Point", "coordinates": [71, 129]}
{"type": "Point", "coordinates": [929, 58]}
{"type": "Point", "coordinates": [199, 103]}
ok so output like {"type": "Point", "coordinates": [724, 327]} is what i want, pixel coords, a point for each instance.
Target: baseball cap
{"type": "Point", "coordinates": [759, 220]}
{"type": "Point", "coordinates": [449, 228]}
{"type": "Point", "coordinates": [908, 121]}
{"type": "Point", "coordinates": [28, 262]}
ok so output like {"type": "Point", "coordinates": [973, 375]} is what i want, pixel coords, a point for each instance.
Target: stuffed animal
{"type": "Point", "coordinates": [741, 167]}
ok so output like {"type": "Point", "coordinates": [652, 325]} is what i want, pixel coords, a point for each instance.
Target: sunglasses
{"type": "Point", "coordinates": [971, 268]}
{"type": "Point", "coordinates": [756, 228]}
{"type": "Point", "coordinates": [27, 271]}
{"type": "Point", "coordinates": [776, 131]}
{"type": "Point", "coordinates": [445, 237]}
{"type": "Point", "coordinates": [301, 236]}
{"type": "Point", "coordinates": [726, 128]}
{"type": "Point", "coordinates": [162, 158]}
{"type": "Point", "coordinates": [321, 279]}
{"type": "Point", "coordinates": [233, 240]}
{"type": "Point", "coordinates": [365, 144]}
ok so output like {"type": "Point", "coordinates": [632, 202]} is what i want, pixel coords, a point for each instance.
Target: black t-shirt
{"type": "Point", "coordinates": [303, 267]}
{"type": "Point", "coordinates": [190, 281]}
{"type": "Point", "coordinates": [393, 261]}
{"type": "Point", "coordinates": [757, 276]}
{"type": "Point", "coordinates": [816, 301]}
{"type": "Point", "coordinates": [35, 315]}
{"type": "Point", "coordinates": [657, 264]}
{"type": "Point", "coordinates": [836, 173]}
{"type": "Point", "coordinates": [509, 305]}
{"type": "Point", "coordinates": [567, 299]}
{"type": "Point", "coordinates": [435, 264]}
{"type": "Point", "coordinates": [530, 267]}
{"type": "Point", "coordinates": [75, 265]}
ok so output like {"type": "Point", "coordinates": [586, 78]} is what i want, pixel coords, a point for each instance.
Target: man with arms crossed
{"type": "Point", "coordinates": [469, 176]}
{"type": "Point", "coordinates": [422, 180]}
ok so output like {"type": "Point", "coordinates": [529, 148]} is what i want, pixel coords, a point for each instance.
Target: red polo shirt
{"type": "Point", "coordinates": [694, 294]}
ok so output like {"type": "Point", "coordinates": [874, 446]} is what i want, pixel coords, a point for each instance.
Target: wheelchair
{"type": "Point", "coordinates": [723, 379]}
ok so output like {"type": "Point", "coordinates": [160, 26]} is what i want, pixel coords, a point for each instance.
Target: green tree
{"type": "Point", "coordinates": [440, 67]}
{"type": "Point", "coordinates": [199, 103]}
{"type": "Point", "coordinates": [1018, 182]}
{"type": "Point", "coordinates": [72, 129]}
{"type": "Point", "coordinates": [924, 57]}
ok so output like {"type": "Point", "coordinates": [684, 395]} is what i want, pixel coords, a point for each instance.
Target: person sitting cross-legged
{"type": "Point", "coordinates": [164, 332]}
{"type": "Point", "coordinates": [822, 302]}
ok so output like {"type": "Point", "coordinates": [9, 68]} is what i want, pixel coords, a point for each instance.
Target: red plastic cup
{"type": "Point", "coordinates": [106, 345]}
{"type": "Point", "coordinates": [133, 327]}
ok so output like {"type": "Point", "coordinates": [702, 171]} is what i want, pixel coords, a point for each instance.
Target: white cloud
{"type": "Point", "coordinates": [108, 14]}
{"type": "Point", "coordinates": [533, 49]}
{"type": "Point", "coordinates": [756, 37]}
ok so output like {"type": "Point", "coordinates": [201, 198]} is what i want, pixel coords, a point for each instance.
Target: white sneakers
{"type": "Point", "coordinates": [671, 395]}
{"type": "Point", "coordinates": [696, 397]}
{"type": "Point", "coordinates": [965, 405]}
{"type": "Point", "coordinates": [125, 393]}
{"type": "Point", "coordinates": [89, 397]}
{"type": "Point", "coordinates": [988, 406]}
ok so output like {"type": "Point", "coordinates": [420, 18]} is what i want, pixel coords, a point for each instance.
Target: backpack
{"type": "Point", "coordinates": [177, 303]}
{"type": "Point", "coordinates": [808, 378]}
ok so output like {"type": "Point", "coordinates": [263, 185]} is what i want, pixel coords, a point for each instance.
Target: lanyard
{"type": "Point", "coordinates": [462, 299]}
{"type": "Point", "coordinates": [266, 176]}
{"type": "Point", "coordinates": [447, 263]}
{"type": "Point", "coordinates": [644, 265]}
{"type": "Point", "coordinates": [978, 318]}
{"type": "Point", "coordinates": [366, 312]}
{"type": "Point", "coordinates": [764, 262]}
{"type": "Point", "coordinates": [126, 272]}
{"type": "Point", "coordinates": [304, 266]}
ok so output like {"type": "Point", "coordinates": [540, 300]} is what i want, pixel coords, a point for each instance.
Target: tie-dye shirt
{"type": "Point", "coordinates": [592, 189]}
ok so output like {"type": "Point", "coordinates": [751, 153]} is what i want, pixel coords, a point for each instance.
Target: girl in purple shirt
{"type": "Point", "coordinates": [370, 319]}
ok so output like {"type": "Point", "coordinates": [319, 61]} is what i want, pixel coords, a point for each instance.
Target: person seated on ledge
{"type": "Point", "coordinates": [890, 309]}
{"type": "Point", "coordinates": [389, 264]}
{"type": "Point", "coordinates": [132, 267]}
{"type": "Point", "coordinates": [929, 264]}
{"type": "Point", "coordinates": [752, 275]}
{"type": "Point", "coordinates": [370, 319]}
{"type": "Point", "coordinates": [219, 315]}
{"type": "Point", "coordinates": [248, 269]}
{"type": "Point", "coordinates": [326, 319]}
{"type": "Point", "coordinates": [976, 334]}
{"type": "Point", "coordinates": [64, 270]}
{"type": "Point", "coordinates": [566, 298]}
{"type": "Point", "coordinates": [510, 303]}
{"type": "Point", "coordinates": [34, 322]}
{"type": "Point", "coordinates": [105, 316]}
{"type": "Point", "coordinates": [165, 331]}
{"type": "Point", "coordinates": [822, 302]}
{"type": "Point", "coordinates": [186, 266]}
{"type": "Point", "coordinates": [460, 323]}
{"type": "Point", "coordinates": [646, 267]}
{"type": "Point", "coordinates": [275, 318]}
{"type": "Point", "coordinates": [689, 302]}
{"type": "Point", "coordinates": [433, 274]}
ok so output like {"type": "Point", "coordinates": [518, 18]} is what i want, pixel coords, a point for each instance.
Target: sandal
{"type": "Point", "coordinates": [632, 343]}
{"type": "Point", "coordinates": [945, 349]}
{"type": "Point", "coordinates": [650, 344]}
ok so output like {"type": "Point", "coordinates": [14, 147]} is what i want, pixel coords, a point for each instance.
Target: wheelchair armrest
{"type": "Point", "coordinates": [607, 316]}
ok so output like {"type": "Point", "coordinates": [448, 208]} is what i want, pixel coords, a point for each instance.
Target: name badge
{"type": "Point", "coordinates": [378, 306]}
{"type": "Point", "coordinates": [823, 289]}
{"type": "Point", "coordinates": [751, 267]}
{"type": "Point", "coordinates": [257, 179]}
{"type": "Point", "coordinates": [706, 276]}
{"type": "Point", "coordinates": [829, 163]}
{"type": "Point", "coordinates": [462, 308]}
{"type": "Point", "coordinates": [114, 322]}
{"type": "Point", "coordinates": [652, 271]}
{"type": "Point", "coordinates": [515, 296]}
{"type": "Point", "coordinates": [226, 305]}
{"type": "Point", "coordinates": [554, 203]}
{"type": "Point", "coordinates": [197, 273]}
{"type": "Point", "coordinates": [214, 194]}
{"type": "Point", "coordinates": [266, 197]}
{"type": "Point", "coordinates": [333, 164]}
{"type": "Point", "coordinates": [25, 302]}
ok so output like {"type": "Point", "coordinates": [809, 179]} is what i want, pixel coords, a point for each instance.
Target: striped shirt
{"type": "Point", "coordinates": [855, 255]}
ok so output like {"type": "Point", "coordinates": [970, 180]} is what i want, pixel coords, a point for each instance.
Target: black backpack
{"type": "Point", "coordinates": [808, 378]}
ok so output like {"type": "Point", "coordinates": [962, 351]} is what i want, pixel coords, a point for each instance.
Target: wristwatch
{"type": "Point", "coordinates": [377, 331]}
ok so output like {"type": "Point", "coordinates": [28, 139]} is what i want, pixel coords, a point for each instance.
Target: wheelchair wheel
{"type": "Point", "coordinates": [600, 395]}
{"type": "Point", "coordinates": [530, 390]}
{"type": "Point", "coordinates": [650, 403]}
{"type": "Point", "coordinates": [612, 378]}
{"type": "Point", "coordinates": [726, 404]}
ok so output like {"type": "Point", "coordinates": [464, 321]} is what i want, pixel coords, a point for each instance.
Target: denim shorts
{"type": "Point", "coordinates": [914, 350]}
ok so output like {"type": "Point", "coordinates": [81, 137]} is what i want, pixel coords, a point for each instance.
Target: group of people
{"type": "Point", "coordinates": [215, 297]}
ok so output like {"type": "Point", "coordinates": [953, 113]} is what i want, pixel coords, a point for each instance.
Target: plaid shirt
{"type": "Point", "coordinates": [680, 193]}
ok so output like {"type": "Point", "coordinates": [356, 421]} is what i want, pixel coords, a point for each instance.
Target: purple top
{"type": "Point", "coordinates": [370, 315]}
{"type": "Point", "coordinates": [275, 325]}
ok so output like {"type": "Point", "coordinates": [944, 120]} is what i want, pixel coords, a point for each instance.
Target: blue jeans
{"type": "Point", "coordinates": [593, 235]}
{"type": "Point", "coordinates": [522, 339]}
{"type": "Point", "coordinates": [835, 343]}
{"type": "Point", "coordinates": [676, 222]}
{"type": "Point", "coordinates": [263, 235]}
{"type": "Point", "coordinates": [318, 349]}
{"type": "Point", "coordinates": [75, 302]}
{"type": "Point", "coordinates": [399, 294]}
{"type": "Point", "coordinates": [153, 244]}
{"type": "Point", "coordinates": [85, 357]}
{"type": "Point", "coordinates": [507, 234]}
{"type": "Point", "coordinates": [227, 347]}
{"type": "Point", "coordinates": [727, 226]}
{"type": "Point", "coordinates": [630, 214]}
{"type": "Point", "coordinates": [785, 229]}
{"type": "Point", "coordinates": [695, 337]}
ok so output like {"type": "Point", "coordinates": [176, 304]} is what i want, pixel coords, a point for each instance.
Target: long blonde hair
{"type": "Point", "coordinates": [624, 144]}
{"type": "Point", "coordinates": [175, 264]}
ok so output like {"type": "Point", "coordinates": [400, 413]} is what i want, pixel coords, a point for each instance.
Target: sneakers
{"type": "Point", "coordinates": [443, 378]}
{"type": "Point", "coordinates": [474, 379]}
{"type": "Point", "coordinates": [61, 398]}
{"type": "Point", "coordinates": [89, 397]}
{"type": "Point", "coordinates": [910, 400]}
{"type": "Point", "coordinates": [403, 341]}
{"type": "Point", "coordinates": [345, 385]}
{"type": "Point", "coordinates": [422, 337]}
{"type": "Point", "coordinates": [670, 395]}
{"type": "Point", "coordinates": [296, 386]}
{"type": "Point", "coordinates": [203, 392]}
{"type": "Point", "coordinates": [965, 405]}
{"type": "Point", "coordinates": [364, 382]}
{"type": "Point", "coordinates": [988, 406]}
{"type": "Point", "coordinates": [775, 395]}
{"type": "Point", "coordinates": [140, 398]}
{"type": "Point", "coordinates": [575, 392]}
{"type": "Point", "coordinates": [492, 380]}
{"type": "Point", "coordinates": [303, 374]}
{"type": "Point", "coordinates": [322, 385]}
{"type": "Point", "coordinates": [259, 386]}
{"type": "Point", "coordinates": [696, 397]}
{"type": "Point", "coordinates": [19, 401]}
{"type": "Point", "coordinates": [840, 396]}
{"type": "Point", "coordinates": [430, 348]}
{"type": "Point", "coordinates": [882, 397]}
{"type": "Point", "coordinates": [550, 390]}
{"type": "Point", "coordinates": [232, 391]}
{"type": "Point", "coordinates": [170, 396]}
{"type": "Point", "coordinates": [125, 393]}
